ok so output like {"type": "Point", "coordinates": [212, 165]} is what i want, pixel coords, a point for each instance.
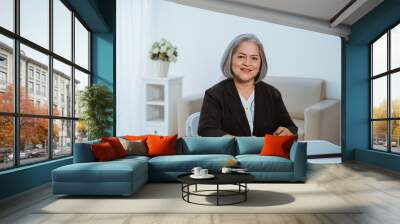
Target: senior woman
{"type": "Point", "coordinates": [242, 104]}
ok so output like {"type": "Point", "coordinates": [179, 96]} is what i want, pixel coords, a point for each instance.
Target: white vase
{"type": "Point", "coordinates": [161, 68]}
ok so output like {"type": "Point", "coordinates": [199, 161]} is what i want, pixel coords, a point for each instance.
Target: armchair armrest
{"type": "Point", "coordinates": [186, 106]}
{"type": "Point", "coordinates": [322, 121]}
{"type": "Point", "coordinates": [298, 155]}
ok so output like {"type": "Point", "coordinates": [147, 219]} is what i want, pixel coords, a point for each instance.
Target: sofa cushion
{"type": "Point", "coordinates": [185, 163]}
{"type": "Point", "coordinates": [257, 163]}
{"type": "Point", "coordinates": [277, 145]}
{"type": "Point", "coordinates": [103, 152]}
{"type": "Point", "coordinates": [206, 145]}
{"type": "Point", "coordinates": [136, 147]}
{"type": "Point", "coordinates": [161, 145]}
{"type": "Point", "coordinates": [249, 145]}
{"type": "Point", "coordinates": [116, 145]}
{"type": "Point", "coordinates": [112, 171]}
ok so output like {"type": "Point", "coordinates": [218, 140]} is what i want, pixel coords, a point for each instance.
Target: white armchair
{"type": "Point", "coordinates": [316, 117]}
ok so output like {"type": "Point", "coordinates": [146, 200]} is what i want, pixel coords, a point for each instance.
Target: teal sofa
{"type": "Point", "coordinates": [125, 176]}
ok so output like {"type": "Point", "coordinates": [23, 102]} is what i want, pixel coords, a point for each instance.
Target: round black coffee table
{"type": "Point", "coordinates": [238, 179]}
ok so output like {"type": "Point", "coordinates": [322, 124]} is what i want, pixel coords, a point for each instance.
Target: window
{"type": "Point", "coordinates": [385, 94]}
{"type": "Point", "coordinates": [44, 91]}
{"type": "Point", "coordinates": [3, 78]}
{"type": "Point", "coordinates": [7, 14]}
{"type": "Point", "coordinates": [62, 29]}
{"type": "Point", "coordinates": [55, 127]}
{"type": "Point", "coordinates": [37, 89]}
{"type": "Point", "coordinates": [30, 87]}
{"type": "Point", "coordinates": [30, 72]}
{"type": "Point", "coordinates": [37, 75]}
{"type": "Point", "coordinates": [3, 72]}
{"type": "Point", "coordinates": [81, 45]}
{"type": "Point", "coordinates": [3, 61]}
{"type": "Point", "coordinates": [35, 21]}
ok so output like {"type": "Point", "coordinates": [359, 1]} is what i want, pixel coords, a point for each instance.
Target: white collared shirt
{"type": "Point", "coordinates": [249, 109]}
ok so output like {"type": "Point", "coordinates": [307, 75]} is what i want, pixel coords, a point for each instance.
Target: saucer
{"type": "Point", "coordinates": [208, 176]}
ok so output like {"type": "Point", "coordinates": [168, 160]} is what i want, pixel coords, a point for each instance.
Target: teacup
{"type": "Point", "coordinates": [203, 172]}
{"type": "Point", "coordinates": [226, 170]}
{"type": "Point", "coordinates": [196, 171]}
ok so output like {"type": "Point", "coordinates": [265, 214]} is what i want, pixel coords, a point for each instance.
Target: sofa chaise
{"type": "Point", "coordinates": [126, 175]}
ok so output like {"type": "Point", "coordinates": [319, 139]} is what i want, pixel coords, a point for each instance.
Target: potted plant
{"type": "Point", "coordinates": [96, 102]}
{"type": "Point", "coordinates": [163, 53]}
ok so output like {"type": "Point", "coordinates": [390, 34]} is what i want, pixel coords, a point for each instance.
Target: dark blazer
{"type": "Point", "coordinates": [222, 111]}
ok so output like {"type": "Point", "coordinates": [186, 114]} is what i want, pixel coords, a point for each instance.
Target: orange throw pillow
{"type": "Point", "coordinates": [116, 145]}
{"type": "Point", "coordinates": [103, 152]}
{"type": "Point", "coordinates": [161, 145]}
{"type": "Point", "coordinates": [136, 137]}
{"type": "Point", "coordinates": [277, 145]}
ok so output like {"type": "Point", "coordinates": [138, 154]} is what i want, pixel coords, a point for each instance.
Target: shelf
{"type": "Point", "coordinates": [154, 92]}
{"type": "Point", "coordinates": [157, 122]}
{"type": "Point", "coordinates": [155, 102]}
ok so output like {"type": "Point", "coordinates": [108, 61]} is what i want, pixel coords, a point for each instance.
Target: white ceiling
{"type": "Point", "coordinates": [325, 16]}
{"type": "Point", "coordinates": [319, 9]}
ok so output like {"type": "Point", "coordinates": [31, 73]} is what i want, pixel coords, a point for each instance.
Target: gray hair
{"type": "Point", "coordinates": [231, 49]}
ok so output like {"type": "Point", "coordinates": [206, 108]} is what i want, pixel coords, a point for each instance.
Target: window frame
{"type": "Point", "coordinates": [16, 114]}
{"type": "Point", "coordinates": [388, 74]}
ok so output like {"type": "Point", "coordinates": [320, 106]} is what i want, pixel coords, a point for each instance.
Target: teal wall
{"type": "Point", "coordinates": [103, 62]}
{"type": "Point", "coordinates": [24, 178]}
{"type": "Point", "coordinates": [99, 16]}
{"type": "Point", "coordinates": [355, 87]}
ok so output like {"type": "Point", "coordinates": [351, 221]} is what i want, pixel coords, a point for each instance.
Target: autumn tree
{"type": "Point", "coordinates": [380, 127]}
{"type": "Point", "coordinates": [33, 131]}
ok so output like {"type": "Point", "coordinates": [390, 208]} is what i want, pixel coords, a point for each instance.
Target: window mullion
{"type": "Point", "coordinates": [16, 83]}
{"type": "Point", "coordinates": [50, 81]}
{"type": "Point", "coordinates": [389, 113]}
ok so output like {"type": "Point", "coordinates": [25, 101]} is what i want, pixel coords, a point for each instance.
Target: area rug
{"type": "Point", "coordinates": [167, 198]}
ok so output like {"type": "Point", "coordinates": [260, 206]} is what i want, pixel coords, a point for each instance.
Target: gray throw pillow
{"type": "Point", "coordinates": [137, 148]}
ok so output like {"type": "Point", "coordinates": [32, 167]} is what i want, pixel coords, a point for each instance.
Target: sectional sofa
{"type": "Point", "coordinates": [125, 176]}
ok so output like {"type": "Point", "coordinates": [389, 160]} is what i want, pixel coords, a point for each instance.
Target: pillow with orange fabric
{"type": "Point", "coordinates": [161, 145]}
{"type": "Point", "coordinates": [116, 145]}
{"type": "Point", "coordinates": [103, 152]}
{"type": "Point", "coordinates": [277, 145]}
{"type": "Point", "coordinates": [136, 137]}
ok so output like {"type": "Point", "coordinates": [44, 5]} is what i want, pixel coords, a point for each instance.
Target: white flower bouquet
{"type": "Point", "coordinates": [163, 51]}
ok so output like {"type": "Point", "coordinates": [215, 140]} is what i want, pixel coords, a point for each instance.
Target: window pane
{"type": "Point", "coordinates": [62, 136]}
{"type": "Point", "coordinates": [62, 89]}
{"type": "Point", "coordinates": [81, 131]}
{"type": "Point", "coordinates": [62, 29]}
{"type": "Point", "coordinates": [34, 81]}
{"type": "Point", "coordinates": [379, 135]}
{"type": "Point", "coordinates": [379, 55]}
{"type": "Point", "coordinates": [81, 45]}
{"type": "Point", "coordinates": [395, 94]}
{"type": "Point", "coordinates": [7, 14]}
{"type": "Point", "coordinates": [379, 100]}
{"type": "Point", "coordinates": [6, 142]}
{"type": "Point", "coordinates": [395, 136]}
{"type": "Point", "coordinates": [81, 81]}
{"type": "Point", "coordinates": [33, 140]}
{"type": "Point", "coordinates": [6, 74]}
{"type": "Point", "coordinates": [35, 21]}
{"type": "Point", "coordinates": [395, 47]}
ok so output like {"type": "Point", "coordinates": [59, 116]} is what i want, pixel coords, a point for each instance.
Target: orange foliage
{"type": "Point", "coordinates": [34, 130]}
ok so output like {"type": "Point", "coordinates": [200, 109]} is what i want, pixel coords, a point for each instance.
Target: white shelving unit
{"type": "Point", "coordinates": [160, 104]}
